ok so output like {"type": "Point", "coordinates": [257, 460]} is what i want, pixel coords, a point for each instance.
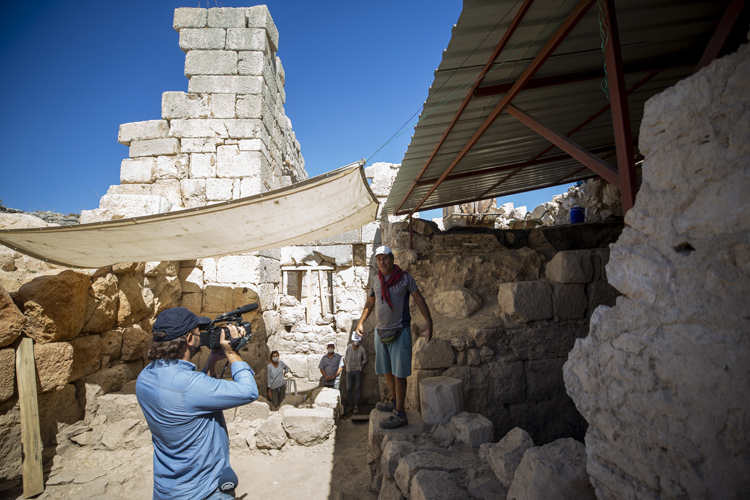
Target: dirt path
{"type": "Point", "coordinates": [334, 470]}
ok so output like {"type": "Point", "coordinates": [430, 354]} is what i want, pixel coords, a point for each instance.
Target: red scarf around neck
{"type": "Point", "coordinates": [385, 285]}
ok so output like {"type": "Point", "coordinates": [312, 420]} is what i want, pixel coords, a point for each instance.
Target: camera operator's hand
{"type": "Point", "coordinates": [231, 354]}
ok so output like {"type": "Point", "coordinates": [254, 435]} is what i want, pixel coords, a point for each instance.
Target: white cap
{"type": "Point", "coordinates": [383, 251]}
{"type": "Point", "coordinates": [356, 337]}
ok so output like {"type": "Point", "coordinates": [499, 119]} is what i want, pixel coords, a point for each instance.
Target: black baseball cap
{"type": "Point", "coordinates": [176, 322]}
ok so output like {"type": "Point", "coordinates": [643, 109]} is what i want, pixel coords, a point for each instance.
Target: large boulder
{"type": "Point", "coordinates": [411, 464]}
{"type": "Point", "coordinates": [54, 364]}
{"type": "Point", "coordinates": [134, 343]}
{"type": "Point", "coordinates": [308, 426]}
{"type": "Point", "coordinates": [458, 303]}
{"type": "Point", "coordinates": [556, 470]}
{"type": "Point", "coordinates": [103, 300]}
{"type": "Point", "coordinates": [12, 320]}
{"type": "Point", "coordinates": [505, 455]}
{"type": "Point", "coordinates": [86, 356]}
{"type": "Point", "coordinates": [472, 429]}
{"type": "Point", "coordinates": [435, 485]}
{"type": "Point", "coordinates": [435, 354]}
{"type": "Point", "coordinates": [54, 305]}
{"type": "Point", "coordinates": [441, 398]}
{"type": "Point", "coordinates": [270, 435]}
{"type": "Point", "coordinates": [135, 302]}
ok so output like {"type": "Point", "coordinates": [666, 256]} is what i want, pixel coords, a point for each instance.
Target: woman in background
{"type": "Point", "coordinates": [276, 385]}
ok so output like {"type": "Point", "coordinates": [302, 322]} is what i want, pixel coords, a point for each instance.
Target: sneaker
{"type": "Point", "coordinates": [394, 421]}
{"type": "Point", "coordinates": [389, 406]}
{"type": "Point", "coordinates": [355, 410]}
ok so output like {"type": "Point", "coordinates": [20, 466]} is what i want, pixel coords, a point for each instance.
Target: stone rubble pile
{"type": "Point", "coordinates": [460, 460]}
{"type": "Point", "coordinates": [53, 218]}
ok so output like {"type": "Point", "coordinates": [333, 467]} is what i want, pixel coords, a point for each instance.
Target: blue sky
{"type": "Point", "coordinates": [74, 71]}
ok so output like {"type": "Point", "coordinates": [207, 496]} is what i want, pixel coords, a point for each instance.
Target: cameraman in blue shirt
{"type": "Point", "coordinates": [183, 408]}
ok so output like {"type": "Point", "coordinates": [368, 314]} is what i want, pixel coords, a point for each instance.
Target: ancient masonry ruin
{"type": "Point", "coordinates": [533, 351]}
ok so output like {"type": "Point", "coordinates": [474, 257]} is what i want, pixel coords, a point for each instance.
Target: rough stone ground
{"type": "Point", "coordinates": [334, 470]}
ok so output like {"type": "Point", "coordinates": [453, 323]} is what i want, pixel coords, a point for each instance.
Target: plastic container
{"type": "Point", "coordinates": [577, 215]}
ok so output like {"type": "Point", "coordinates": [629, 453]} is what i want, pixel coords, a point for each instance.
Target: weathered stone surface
{"type": "Point", "coordinates": [435, 354]}
{"type": "Point", "coordinates": [392, 453]}
{"type": "Point", "coordinates": [411, 464]}
{"type": "Point", "coordinates": [308, 426]}
{"type": "Point", "coordinates": [225, 84]}
{"type": "Point", "coordinates": [376, 434]}
{"type": "Point", "coordinates": [89, 389]}
{"type": "Point", "coordinates": [412, 400]}
{"type": "Point", "coordinates": [570, 266]}
{"type": "Point", "coordinates": [139, 131]}
{"type": "Point", "coordinates": [271, 435]}
{"type": "Point", "coordinates": [670, 353]}
{"type": "Point", "coordinates": [328, 398]}
{"type": "Point", "coordinates": [226, 17]}
{"type": "Point", "coordinates": [12, 320]}
{"type": "Point", "coordinates": [530, 300]}
{"type": "Point", "coordinates": [601, 293]}
{"type": "Point", "coordinates": [505, 455]}
{"type": "Point", "coordinates": [154, 147]}
{"type": "Point", "coordinates": [54, 305]}
{"type": "Point", "coordinates": [7, 373]}
{"type": "Point", "coordinates": [134, 304]}
{"type": "Point", "coordinates": [441, 399]}
{"type": "Point", "coordinates": [555, 470]}
{"type": "Point", "coordinates": [134, 343]}
{"type": "Point", "coordinates": [569, 301]}
{"type": "Point", "coordinates": [458, 303]}
{"type": "Point", "coordinates": [487, 488]}
{"type": "Point", "coordinates": [253, 411]}
{"type": "Point", "coordinates": [166, 292]}
{"type": "Point", "coordinates": [112, 343]}
{"type": "Point", "coordinates": [210, 62]}
{"type": "Point", "coordinates": [435, 485]}
{"type": "Point", "coordinates": [54, 362]}
{"type": "Point", "coordinates": [86, 351]}
{"type": "Point", "coordinates": [104, 301]}
{"type": "Point", "coordinates": [176, 105]}
{"type": "Point", "coordinates": [389, 490]}
{"type": "Point", "coordinates": [472, 429]}
{"type": "Point", "coordinates": [185, 17]}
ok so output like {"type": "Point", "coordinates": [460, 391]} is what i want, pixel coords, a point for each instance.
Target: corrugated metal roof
{"type": "Point", "coordinates": [670, 34]}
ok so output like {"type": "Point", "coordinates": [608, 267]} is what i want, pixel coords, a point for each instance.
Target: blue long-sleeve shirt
{"type": "Point", "coordinates": [183, 409]}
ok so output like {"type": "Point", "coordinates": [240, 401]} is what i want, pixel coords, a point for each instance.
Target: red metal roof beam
{"type": "Point", "coordinates": [721, 33]}
{"type": "Point", "coordinates": [567, 26]}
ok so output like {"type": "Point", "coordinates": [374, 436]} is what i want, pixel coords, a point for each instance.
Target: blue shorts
{"type": "Point", "coordinates": [394, 358]}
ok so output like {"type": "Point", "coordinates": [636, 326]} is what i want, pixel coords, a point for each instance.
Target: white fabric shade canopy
{"type": "Point", "coordinates": [326, 205]}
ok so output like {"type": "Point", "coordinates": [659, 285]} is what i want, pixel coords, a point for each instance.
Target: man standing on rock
{"type": "Point", "coordinates": [389, 297]}
{"type": "Point", "coordinates": [183, 408]}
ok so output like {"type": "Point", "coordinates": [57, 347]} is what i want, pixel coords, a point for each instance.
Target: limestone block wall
{"type": "Point", "coordinates": [507, 308]}
{"type": "Point", "coordinates": [227, 137]}
{"type": "Point", "coordinates": [662, 377]}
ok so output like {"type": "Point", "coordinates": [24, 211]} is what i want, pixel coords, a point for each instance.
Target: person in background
{"type": "Point", "coordinates": [331, 365]}
{"type": "Point", "coordinates": [276, 385]}
{"type": "Point", "coordinates": [355, 359]}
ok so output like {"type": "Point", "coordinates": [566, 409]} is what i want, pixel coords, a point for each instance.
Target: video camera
{"type": "Point", "coordinates": [211, 333]}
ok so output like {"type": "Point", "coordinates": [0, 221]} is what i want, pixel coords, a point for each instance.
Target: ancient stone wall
{"type": "Point", "coordinates": [507, 307]}
{"type": "Point", "coordinates": [662, 377]}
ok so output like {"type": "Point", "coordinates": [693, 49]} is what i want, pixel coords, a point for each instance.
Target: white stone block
{"type": "Point", "coordinates": [280, 71]}
{"type": "Point", "coordinates": [226, 84]}
{"type": "Point", "coordinates": [127, 206]}
{"type": "Point", "coordinates": [172, 167]}
{"type": "Point", "coordinates": [210, 62]}
{"type": "Point", "coordinates": [185, 17]}
{"type": "Point", "coordinates": [251, 185]}
{"type": "Point", "coordinates": [238, 269]}
{"type": "Point", "coordinates": [202, 165]}
{"type": "Point", "coordinates": [184, 105]}
{"type": "Point", "coordinates": [441, 398]}
{"type": "Point", "coordinates": [193, 192]}
{"type": "Point", "coordinates": [259, 17]}
{"type": "Point", "coordinates": [308, 426]}
{"type": "Point", "coordinates": [200, 144]}
{"type": "Point", "coordinates": [233, 163]}
{"type": "Point", "coordinates": [244, 129]}
{"type": "Point", "coordinates": [219, 189]}
{"type": "Point", "coordinates": [202, 39]}
{"type": "Point", "coordinates": [472, 429]}
{"type": "Point", "coordinates": [243, 39]}
{"type": "Point", "coordinates": [252, 145]}
{"type": "Point", "coordinates": [251, 63]}
{"type": "Point", "coordinates": [222, 106]}
{"type": "Point", "coordinates": [191, 279]}
{"type": "Point", "coordinates": [138, 171]}
{"type": "Point", "coordinates": [139, 131]}
{"type": "Point", "coordinates": [155, 147]}
{"type": "Point", "coordinates": [226, 17]}
{"type": "Point", "coordinates": [197, 128]}
{"type": "Point", "coordinates": [328, 398]}
{"type": "Point", "coordinates": [371, 233]}
{"type": "Point", "coordinates": [249, 107]}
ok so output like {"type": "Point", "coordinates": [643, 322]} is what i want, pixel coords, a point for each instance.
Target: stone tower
{"type": "Point", "coordinates": [226, 138]}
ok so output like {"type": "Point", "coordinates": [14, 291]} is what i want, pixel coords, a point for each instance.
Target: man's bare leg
{"type": "Point", "coordinates": [391, 381]}
{"type": "Point", "coordinates": [400, 392]}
